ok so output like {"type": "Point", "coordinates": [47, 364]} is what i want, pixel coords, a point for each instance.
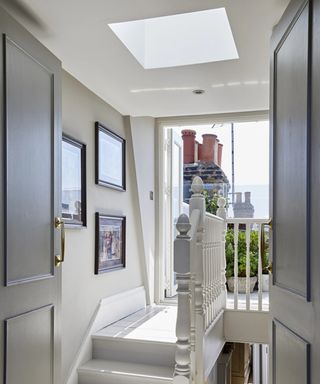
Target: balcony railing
{"type": "Point", "coordinates": [250, 287]}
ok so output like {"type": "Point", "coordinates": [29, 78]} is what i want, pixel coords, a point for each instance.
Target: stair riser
{"type": "Point", "coordinates": [109, 378]}
{"type": "Point", "coordinates": [134, 351]}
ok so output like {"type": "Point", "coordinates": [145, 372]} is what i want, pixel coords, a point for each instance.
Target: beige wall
{"type": "Point", "coordinates": [81, 288]}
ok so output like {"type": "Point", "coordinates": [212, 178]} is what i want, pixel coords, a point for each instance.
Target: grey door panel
{"type": "Point", "coordinates": [30, 167]}
{"type": "Point", "coordinates": [295, 186]}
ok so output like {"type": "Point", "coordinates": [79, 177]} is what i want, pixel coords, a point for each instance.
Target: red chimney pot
{"type": "Point", "coordinates": [208, 147]}
{"type": "Point", "coordinates": [189, 138]}
{"type": "Point", "coordinates": [220, 147]}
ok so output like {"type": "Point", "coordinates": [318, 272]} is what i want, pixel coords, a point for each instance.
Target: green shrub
{"type": "Point", "coordinates": [242, 252]}
{"type": "Point", "coordinates": [211, 202]}
{"type": "Point", "coordinates": [211, 207]}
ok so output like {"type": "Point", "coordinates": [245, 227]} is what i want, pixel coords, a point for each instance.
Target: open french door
{"type": "Point", "coordinates": [295, 118]}
{"type": "Point", "coordinates": [173, 203]}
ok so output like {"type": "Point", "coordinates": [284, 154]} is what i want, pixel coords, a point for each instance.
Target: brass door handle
{"type": "Point", "coordinates": [59, 224]}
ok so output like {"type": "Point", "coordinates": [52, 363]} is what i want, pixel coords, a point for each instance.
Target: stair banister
{"type": "Point", "coordinates": [199, 263]}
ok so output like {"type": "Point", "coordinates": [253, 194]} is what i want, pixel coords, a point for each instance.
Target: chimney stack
{"type": "Point", "coordinates": [247, 197]}
{"type": "Point", "coordinates": [238, 197]}
{"type": "Point", "coordinates": [208, 147]}
{"type": "Point", "coordinates": [189, 138]}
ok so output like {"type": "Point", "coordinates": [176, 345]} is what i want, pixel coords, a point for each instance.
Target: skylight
{"type": "Point", "coordinates": [170, 41]}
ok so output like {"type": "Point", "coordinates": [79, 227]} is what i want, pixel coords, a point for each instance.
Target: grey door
{"type": "Point", "coordinates": [29, 202]}
{"type": "Point", "coordinates": [295, 293]}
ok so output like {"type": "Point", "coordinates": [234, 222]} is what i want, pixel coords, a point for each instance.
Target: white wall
{"type": "Point", "coordinates": [81, 288]}
{"type": "Point", "coordinates": [143, 139]}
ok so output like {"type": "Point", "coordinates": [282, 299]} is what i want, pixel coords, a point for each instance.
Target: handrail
{"type": "Point", "coordinates": [208, 214]}
{"type": "Point", "coordinates": [242, 220]}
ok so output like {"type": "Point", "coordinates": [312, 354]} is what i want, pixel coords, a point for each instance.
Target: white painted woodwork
{"type": "Point", "coordinates": [174, 201]}
{"type": "Point", "coordinates": [111, 372]}
{"type": "Point", "coordinates": [214, 341]}
{"type": "Point", "coordinates": [182, 249]}
{"type": "Point", "coordinates": [260, 229]}
{"type": "Point", "coordinates": [200, 267]}
{"type": "Point", "coordinates": [110, 310]}
{"type": "Point", "coordinates": [236, 286]}
{"type": "Point", "coordinates": [125, 350]}
{"type": "Point", "coordinates": [247, 267]}
{"type": "Point", "coordinates": [247, 326]}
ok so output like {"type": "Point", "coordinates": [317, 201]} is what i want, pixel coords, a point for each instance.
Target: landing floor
{"type": "Point", "coordinates": [156, 323]}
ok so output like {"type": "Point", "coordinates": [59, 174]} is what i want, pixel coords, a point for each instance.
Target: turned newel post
{"type": "Point", "coordinates": [182, 251]}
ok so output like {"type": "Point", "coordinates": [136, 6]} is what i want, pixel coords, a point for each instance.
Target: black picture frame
{"type": "Point", "coordinates": [110, 245]}
{"type": "Point", "coordinates": [110, 158]}
{"type": "Point", "coordinates": [74, 201]}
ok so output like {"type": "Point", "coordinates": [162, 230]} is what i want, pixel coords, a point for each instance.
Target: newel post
{"type": "Point", "coordinates": [182, 252]}
{"type": "Point", "coordinates": [197, 200]}
{"type": "Point", "coordinates": [222, 212]}
{"type": "Point", "coordinates": [198, 326]}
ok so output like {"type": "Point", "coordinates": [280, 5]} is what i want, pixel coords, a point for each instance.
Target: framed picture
{"type": "Point", "coordinates": [110, 243]}
{"type": "Point", "coordinates": [110, 158]}
{"type": "Point", "coordinates": [74, 202]}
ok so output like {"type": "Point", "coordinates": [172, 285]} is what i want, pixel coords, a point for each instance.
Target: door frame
{"type": "Point", "coordinates": [175, 121]}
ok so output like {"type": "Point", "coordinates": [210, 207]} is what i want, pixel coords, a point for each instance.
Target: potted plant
{"type": "Point", "coordinates": [242, 251]}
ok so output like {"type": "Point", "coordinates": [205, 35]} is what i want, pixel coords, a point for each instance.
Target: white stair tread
{"type": "Point", "coordinates": [117, 368]}
{"type": "Point", "coordinates": [155, 323]}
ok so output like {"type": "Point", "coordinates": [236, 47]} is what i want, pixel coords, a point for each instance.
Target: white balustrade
{"type": "Point", "coordinates": [199, 253]}
{"type": "Point", "coordinates": [200, 264]}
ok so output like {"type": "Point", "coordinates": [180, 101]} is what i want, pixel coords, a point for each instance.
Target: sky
{"type": "Point", "coordinates": [251, 158]}
{"type": "Point", "coordinates": [251, 150]}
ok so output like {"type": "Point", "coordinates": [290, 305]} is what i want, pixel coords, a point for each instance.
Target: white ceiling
{"type": "Point", "coordinates": [77, 32]}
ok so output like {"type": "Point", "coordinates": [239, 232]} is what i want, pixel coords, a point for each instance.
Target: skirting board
{"type": "Point", "coordinates": [109, 310]}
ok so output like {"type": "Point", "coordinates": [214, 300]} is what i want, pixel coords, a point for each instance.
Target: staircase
{"type": "Point", "coordinates": [178, 344]}
{"type": "Point", "coordinates": [135, 350]}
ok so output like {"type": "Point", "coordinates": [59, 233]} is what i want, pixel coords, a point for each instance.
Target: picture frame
{"type": "Point", "coordinates": [110, 248]}
{"type": "Point", "coordinates": [110, 159]}
{"type": "Point", "coordinates": [73, 183]}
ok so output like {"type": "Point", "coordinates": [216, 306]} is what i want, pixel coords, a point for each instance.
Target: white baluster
{"type": "Point", "coordinates": [182, 255]}
{"type": "Point", "coordinates": [197, 201]}
{"type": "Point", "coordinates": [222, 212]}
{"type": "Point", "coordinates": [236, 264]}
{"type": "Point", "coordinates": [260, 229]}
{"type": "Point", "coordinates": [248, 230]}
